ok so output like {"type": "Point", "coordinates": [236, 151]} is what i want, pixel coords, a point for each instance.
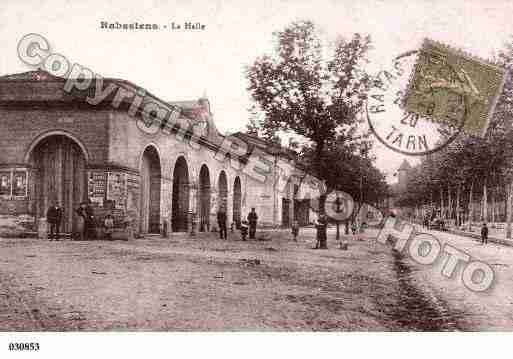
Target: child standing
{"type": "Point", "coordinates": [244, 230]}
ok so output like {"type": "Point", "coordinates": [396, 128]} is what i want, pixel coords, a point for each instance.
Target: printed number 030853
{"type": "Point", "coordinates": [24, 346]}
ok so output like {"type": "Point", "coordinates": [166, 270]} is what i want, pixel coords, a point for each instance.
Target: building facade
{"type": "Point", "coordinates": [58, 146]}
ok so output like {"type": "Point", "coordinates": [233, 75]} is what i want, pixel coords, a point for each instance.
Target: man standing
{"type": "Point", "coordinates": [90, 221]}
{"type": "Point", "coordinates": [221, 221]}
{"type": "Point", "coordinates": [81, 224]}
{"type": "Point", "coordinates": [484, 234]}
{"type": "Point", "coordinates": [85, 221]}
{"type": "Point", "coordinates": [54, 218]}
{"type": "Point", "coordinates": [252, 219]}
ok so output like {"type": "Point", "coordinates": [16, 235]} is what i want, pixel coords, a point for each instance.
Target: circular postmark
{"type": "Point", "coordinates": [418, 106]}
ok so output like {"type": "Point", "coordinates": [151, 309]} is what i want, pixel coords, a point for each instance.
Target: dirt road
{"type": "Point", "coordinates": [476, 311]}
{"type": "Point", "coordinates": [203, 283]}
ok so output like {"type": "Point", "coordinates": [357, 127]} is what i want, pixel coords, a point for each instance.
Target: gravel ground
{"type": "Point", "coordinates": [207, 284]}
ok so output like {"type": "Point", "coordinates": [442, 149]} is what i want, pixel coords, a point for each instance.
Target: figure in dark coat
{"type": "Point", "coordinates": [85, 221]}
{"type": "Point", "coordinates": [322, 226]}
{"type": "Point", "coordinates": [90, 221]}
{"type": "Point", "coordinates": [484, 234]}
{"type": "Point", "coordinates": [252, 219]}
{"type": "Point", "coordinates": [221, 221]}
{"type": "Point", "coordinates": [54, 218]}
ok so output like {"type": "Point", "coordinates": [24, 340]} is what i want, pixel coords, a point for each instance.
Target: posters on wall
{"type": "Point", "coordinates": [117, 189]}
{"type": "Point", "coordinates": [97, 184]}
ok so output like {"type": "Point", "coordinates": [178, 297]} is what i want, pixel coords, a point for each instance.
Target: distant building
{"type": "Point", "coordinates": [402, 175]}
{"type": "Point", "coordinates": [398, 188]}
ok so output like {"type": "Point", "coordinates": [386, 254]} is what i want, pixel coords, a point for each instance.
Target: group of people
{"type": "Point", "coordinates": [252, 220]}
{"type": "Point", "coordinates": [86, 224]}
{"type": "Point", "coordinates": [321, 226]}
{"type": "Point", "coordinates": [86, 221]}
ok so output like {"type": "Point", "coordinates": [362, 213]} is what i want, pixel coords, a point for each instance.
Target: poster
{"type": "Point", "coordinates": [5, 183]}
{"type": "Point", "coordinates": [97, 184]}
{"type": "Point", "coordinates": [19, 188]}
{"type": "Point", "coordinates": [116, 189]}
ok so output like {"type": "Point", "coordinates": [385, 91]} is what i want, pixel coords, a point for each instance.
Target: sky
{"type": "Point", "coordinates": [185, 65]}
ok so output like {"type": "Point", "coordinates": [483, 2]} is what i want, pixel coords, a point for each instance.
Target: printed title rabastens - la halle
{"type": "Point", "coordinates": [186, 25]}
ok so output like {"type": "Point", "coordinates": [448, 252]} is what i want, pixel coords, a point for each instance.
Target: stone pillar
{"type": "Point", "coordinates": [192, 220]}
{"type": "Point", "coordinates": [214, 203]}
{"type": "Point", "coordinates": [229, 207]}
{"type": "Point", "coordinates": [166, 190]}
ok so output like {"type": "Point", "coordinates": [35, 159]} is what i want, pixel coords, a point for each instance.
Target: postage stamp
{"type": "Point", "coordinates": [415, 133]}
{"type": "Point", "coordinates": [442, 76]}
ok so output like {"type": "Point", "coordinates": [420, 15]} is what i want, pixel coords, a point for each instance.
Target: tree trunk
{"type": "Point", "coordinates": [493, 194]}
{"type": "Point", "coordinates": [458, 219]}
{"type": "Point", "coordinates": [318, 157]}
{"type": "Point", "coordinates": [441, 202]}
{"type": "Point", "coordinates": [485, 204]}
{"type": "Point", "coordinates": [449, 210]}
{"type": "Point", "coordinates": [508, 210]}
{"type": "Point", "coordinates": [470, 207]}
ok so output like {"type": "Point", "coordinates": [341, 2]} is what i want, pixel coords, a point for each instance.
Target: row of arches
{"type": "Point", "coordinates": [181, 195]}
{"type": "Point", "coordinates": [59, 166]}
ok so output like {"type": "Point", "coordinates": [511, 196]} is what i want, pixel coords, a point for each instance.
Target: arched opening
{"type": "Point", "coordinates": [204, 199]}
{"type": "Point", "coordinates": [223, 192]}
{"type": "Point", "coordinates": [150, 191]}
{"type": "Point", "coordinates": [180, 201]}
{"type": "Point", "coordinates": [237, 202]}
{"type": "Point", "coordinates": [59, 176]}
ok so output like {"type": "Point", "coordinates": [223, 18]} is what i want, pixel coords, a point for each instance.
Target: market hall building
{"type": "Point", "coordinates": [57, 147]}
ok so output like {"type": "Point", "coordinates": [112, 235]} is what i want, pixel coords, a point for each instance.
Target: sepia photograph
{"type": "Point", "coordinates": [281, 174]}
